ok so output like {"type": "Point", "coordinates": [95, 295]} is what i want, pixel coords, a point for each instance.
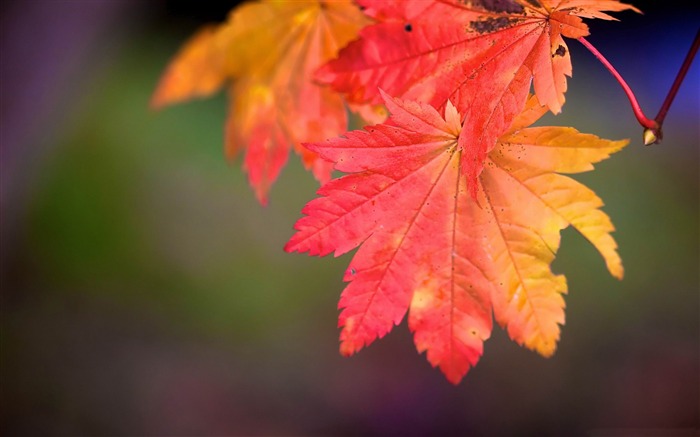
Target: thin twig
{"type": "Point", "coordinates": [679, 79]}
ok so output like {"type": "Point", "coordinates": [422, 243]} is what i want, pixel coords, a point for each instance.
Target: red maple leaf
{"type": "Point", "coordinates": [482, 55]}
{"type": "Point", "coordinates": [428, 247]}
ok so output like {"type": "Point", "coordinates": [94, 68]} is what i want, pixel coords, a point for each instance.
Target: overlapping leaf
{"type": "Point", "coordinates": [268, 52]}
{"type": "Point", "coordinates": [482, 55]}
{"type": "Point", "coordinates": [427, 246]}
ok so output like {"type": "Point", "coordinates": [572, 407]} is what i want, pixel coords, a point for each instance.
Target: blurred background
{"type": "Point", "coordinates": [145, 292]}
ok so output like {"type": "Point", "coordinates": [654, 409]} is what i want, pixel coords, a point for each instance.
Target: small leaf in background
{"type": "Point", "coordinates": [428, 247]}
{"type": "Point", "coordinates": [267, 53]}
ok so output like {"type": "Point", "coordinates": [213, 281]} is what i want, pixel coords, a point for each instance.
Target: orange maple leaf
{"type": "Point", "coordinates": [268, 52]}
{"type": "Point", "coordinates": [480, 54]}
{"type": "Point", "coordinates": [428, 247]}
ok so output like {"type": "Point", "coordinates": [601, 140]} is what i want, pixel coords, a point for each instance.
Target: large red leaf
{"type": "Point", "coordinates": [428, 247]}
{"type": "Point", "coordinates": [481, 55]}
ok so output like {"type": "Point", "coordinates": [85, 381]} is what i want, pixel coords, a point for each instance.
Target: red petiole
{"type": "Point", "coordinates": [652, 127]}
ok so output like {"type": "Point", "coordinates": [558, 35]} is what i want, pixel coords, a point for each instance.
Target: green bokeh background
{"type": "Point", "coordinates": [145, 292]}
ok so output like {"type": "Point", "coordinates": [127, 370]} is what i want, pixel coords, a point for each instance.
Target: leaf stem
{"type": "Point", "coordinates": [641, 118]}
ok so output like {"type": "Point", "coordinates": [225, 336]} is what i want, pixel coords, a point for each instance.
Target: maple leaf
{"type": "Point", "coordinates": [268, 52]}
{"type": "Point", "coordinates": [428, 247]}
{"type": "Point", "coordinates": [481, 55]}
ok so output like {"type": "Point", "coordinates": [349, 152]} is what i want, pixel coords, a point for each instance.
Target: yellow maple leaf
{"type": "Point", "coordinates": [267, 53]}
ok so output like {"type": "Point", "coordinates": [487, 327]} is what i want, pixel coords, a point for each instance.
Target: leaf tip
{"type": "Point", "coordinates": [385, 96]}
{"type": "Point", "coordinates": [546, 348]}
{"type": "Point", "coordinates": [454, 379]}
{"type": "Point", "coordinates": [348, 349]}
{"type": "Point", "coordinates": [453, 118]}
{"type": "Point", "coordinates": [350, 342]}
{"type": "Point", "coordinates": [618, 273]}
{"type": "Point", "coordinates": [262, 199]}
{"type": "Point", "coordinates": [324, 74]}
{"type": "Point", "coordinates": [261, 193]}
{"type": "Point", "coordinates": [290, 246]}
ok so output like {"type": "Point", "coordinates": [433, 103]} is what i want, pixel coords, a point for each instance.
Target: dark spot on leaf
{"type": "Point", "coordinates": [492, 24]}
{"type": "Point", "coordinates": [495, 5]}
{"type": "Point", "coordinates": [408, 27]}
{"type": "Point", "coordinates": [560, 51]}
